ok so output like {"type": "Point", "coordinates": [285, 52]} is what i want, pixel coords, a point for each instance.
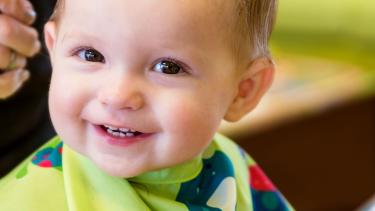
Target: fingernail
{"type": "Point", "coordinates": [25, 75]}
{"type": "Point", "coordinates": [32, 14]}
{"type": "Point", "coordinates": [37, 46]}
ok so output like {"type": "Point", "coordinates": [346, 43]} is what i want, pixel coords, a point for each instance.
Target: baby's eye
{"type": "Point", "coordinates": [167, 67]}
{"type": "Point", "coordinates": [90, 55]}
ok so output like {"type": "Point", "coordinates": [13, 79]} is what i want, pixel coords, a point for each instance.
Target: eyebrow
{"type": "Point", "coordinates": [72, 34]}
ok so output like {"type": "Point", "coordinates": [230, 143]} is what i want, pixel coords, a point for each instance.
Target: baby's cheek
{"type": "Point", "coordinates": [61, 102]}
{"type": "Point", "coordinates": [191, 118]}
{"type": "Point", "coordinates": [66, 98]}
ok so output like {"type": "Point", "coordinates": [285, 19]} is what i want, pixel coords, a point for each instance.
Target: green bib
{"type": "Point", "coordinates": [56, 178]}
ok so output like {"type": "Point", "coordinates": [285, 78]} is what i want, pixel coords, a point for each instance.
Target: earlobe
{"type": "Point", "coordinates": [50, 36]}
{"type": "Point", "coordinates": [255, 81]}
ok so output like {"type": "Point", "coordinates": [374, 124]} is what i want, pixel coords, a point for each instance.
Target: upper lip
{"type": "Point", "coordinates": [127, 128]}
{"type": "Point", "coordinates": [122, 126]}
{"type": "Point", "coordinates": [137, 123]}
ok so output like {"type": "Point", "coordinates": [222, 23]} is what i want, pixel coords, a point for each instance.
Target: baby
{"type": "Point", "coordinates": [138, 91]}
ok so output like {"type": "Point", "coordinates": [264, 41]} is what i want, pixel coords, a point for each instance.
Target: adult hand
{"type": "Point", "coordinates": [18, 40]}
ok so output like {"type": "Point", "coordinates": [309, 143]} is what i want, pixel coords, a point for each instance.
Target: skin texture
{"type": "Point", "coordinates": [181, 112]}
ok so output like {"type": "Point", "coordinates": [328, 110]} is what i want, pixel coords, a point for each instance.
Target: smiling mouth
{"type": "Point", "coordinates": [120, 132]}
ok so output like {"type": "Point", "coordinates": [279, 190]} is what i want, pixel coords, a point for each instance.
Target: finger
{"type": "Point", "coordinates": [6, 59]}
{"type": "Point", "coordinates": [19, 37]}
{"type": "Point", "coordinates": [12, 81]}
{"type": "Point", "coordinates": [22, 10]}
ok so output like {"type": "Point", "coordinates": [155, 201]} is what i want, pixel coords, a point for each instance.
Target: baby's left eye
{"type": "Point", "coordinates": [168, 67]}
{"type": "Point", "coordinates": [90, 55]}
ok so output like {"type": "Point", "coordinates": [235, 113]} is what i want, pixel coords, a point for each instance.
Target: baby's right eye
{"type": "Point", "coordinates": [90, 55]}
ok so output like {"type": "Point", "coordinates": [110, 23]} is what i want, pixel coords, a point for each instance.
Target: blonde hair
{"type": "Point", "coordinates": [255, 22]}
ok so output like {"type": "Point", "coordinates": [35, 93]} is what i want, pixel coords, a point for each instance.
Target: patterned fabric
{"type": "Point", "coordinates": [224, 177]}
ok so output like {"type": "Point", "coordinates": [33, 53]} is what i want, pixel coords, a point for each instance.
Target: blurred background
{"type": "Point", "coordinates": [314, 132]}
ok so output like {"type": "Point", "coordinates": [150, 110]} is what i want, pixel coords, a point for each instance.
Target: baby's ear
{"type": "Point", "coordinates": [50, 36]}
{"type": "Point", "coordinates": [254, 83]}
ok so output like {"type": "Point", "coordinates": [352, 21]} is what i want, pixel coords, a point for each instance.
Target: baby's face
{"type": "Point", "coordinates": [141, 85]}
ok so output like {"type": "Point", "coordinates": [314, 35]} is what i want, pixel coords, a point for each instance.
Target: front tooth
{"type": "Point", "coordinates": [124, 130]}
{"type": "Point", "coordinates": [129, 134]}
{"type": "Point", "coordinates": [122, 135]}
{"type": "Point", "coordinates": [116, 133]}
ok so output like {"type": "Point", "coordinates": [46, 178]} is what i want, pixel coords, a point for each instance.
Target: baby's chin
{"type": "Point", "coordinates": [119, 171]}
{"type": "Point", "coordinates": [116, 168]}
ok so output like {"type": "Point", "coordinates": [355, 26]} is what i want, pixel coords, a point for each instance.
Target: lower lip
{"type": "Point", "coordinates": [120, 141]}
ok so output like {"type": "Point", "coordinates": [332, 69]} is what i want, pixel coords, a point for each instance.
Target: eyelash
{"type": "Point", "coordinates": [182, 67]}
{"type": "Point", "coordinates": [78, 51]}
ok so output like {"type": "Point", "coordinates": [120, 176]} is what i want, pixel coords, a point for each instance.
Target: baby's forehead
{"type": "Point", "coordinates": [218, 9]}
{"type": "Point", "coordinates": [212, 16]}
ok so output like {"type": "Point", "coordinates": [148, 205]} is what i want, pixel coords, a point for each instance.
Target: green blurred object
{"type": "Point", "coordinates": [337, 29]}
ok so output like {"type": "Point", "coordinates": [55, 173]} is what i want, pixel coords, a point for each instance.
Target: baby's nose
{"type": "Point", "coordinates": [121, 94]}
